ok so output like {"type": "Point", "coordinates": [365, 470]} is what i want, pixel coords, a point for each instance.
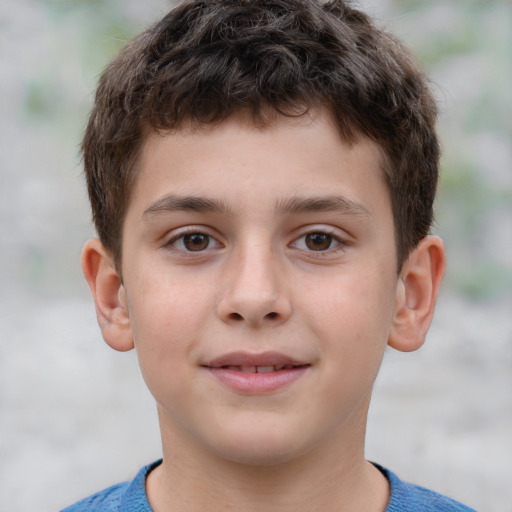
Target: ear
{"type": "Point", "coordinates": [109, 296]}
{"type": "Point", "coordinates": [418, 286]}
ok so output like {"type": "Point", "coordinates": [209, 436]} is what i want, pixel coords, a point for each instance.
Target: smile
{"type": "Point", "coordinates": [259, 369]}
{"type": "Point", "coordinates": [256, 374]}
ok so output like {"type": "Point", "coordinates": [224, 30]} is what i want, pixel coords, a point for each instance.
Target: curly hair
{"type": "Point", "coordinates": [208, 59]}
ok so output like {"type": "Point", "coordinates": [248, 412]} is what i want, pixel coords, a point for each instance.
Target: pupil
{"type": "Point", "coordinates": [196, 241]}
{"type": "Point", "coordinates": [318, 241]}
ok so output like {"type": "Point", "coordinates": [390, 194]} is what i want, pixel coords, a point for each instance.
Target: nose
{"type": "Point", "coordinates": [253, 290]}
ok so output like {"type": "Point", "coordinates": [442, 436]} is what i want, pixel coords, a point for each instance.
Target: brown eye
{"type": "Point", "coordinates": [318, 241]}
{"type": "Point", "coordinates": [196, 241]}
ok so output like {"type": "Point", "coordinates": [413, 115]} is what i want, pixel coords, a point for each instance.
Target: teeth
{"type": "Point", "coordinates": [265, 369]}
{"type": "Point", "coordinates": [260, 369]}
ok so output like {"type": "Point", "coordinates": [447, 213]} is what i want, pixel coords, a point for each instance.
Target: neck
{"type": "Point", "coordinates": [333, 479]}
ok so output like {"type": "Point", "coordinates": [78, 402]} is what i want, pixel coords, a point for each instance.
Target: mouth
{"type": "Point", "coordinates": [255, 374]}
{"type": "Point", "coordinates": [258, 368]}
{"type": "Point", "coordinates": [250, 362]}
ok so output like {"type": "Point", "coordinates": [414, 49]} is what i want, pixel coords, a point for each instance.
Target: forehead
{"type": "Point", "coordinates": [285, 157]}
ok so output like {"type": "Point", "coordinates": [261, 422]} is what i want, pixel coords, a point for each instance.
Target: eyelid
{"type": "Point", "coordinates": [340, 236]}
{"type": "Point", "coordinates": [189, 230]}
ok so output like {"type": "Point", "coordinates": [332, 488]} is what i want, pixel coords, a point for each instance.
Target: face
{"type": "Point", "coordinates": [259, 273]}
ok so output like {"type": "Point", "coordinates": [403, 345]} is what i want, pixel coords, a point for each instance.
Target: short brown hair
{"type": "Point", "coordinates": [207, 59]}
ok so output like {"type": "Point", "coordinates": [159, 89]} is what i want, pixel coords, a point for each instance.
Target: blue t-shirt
{"type": "Point", "coordinates": [131, 497]}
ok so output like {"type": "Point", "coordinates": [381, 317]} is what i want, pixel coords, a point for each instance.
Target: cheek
{"type": "Point", "coordinates": [167, 317]}
{"type": "Point", "coordinates": [351, 313]}
{"type": "Point", "coordinates": [165, 337]}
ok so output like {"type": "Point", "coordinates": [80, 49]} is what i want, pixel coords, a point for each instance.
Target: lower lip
{"type": "Point", "coordinates": [257, 383]}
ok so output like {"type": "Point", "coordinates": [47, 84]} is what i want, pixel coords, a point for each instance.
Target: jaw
{"type": "Point", "coordinates": [260, 477]}
{"type": "Point", "coordinates": [265, 430]}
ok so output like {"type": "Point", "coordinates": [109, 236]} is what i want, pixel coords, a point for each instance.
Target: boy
{"type": "Point", "coordinates": [261, 174]}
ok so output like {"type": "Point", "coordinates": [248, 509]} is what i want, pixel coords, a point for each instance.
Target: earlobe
{"type": "Point", "coordinates": [417, 290]}
{"type": "Point", "coordinates": [109, 296]}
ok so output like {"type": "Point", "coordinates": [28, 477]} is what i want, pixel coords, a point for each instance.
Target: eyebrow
{"type": "Point", "coordinates": [332, 203]}
{"type": "Point", "coordinates": [172, 202]}
{"type": "Point", "coordinates": [296, 204]}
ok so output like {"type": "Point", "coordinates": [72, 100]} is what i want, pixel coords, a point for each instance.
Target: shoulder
{"type": "Point", "coordinates": [125, 497]}
{"type": "Point", "coordinates": [105, 501]}
{"type": "Point", "coordinates": [406, 497]}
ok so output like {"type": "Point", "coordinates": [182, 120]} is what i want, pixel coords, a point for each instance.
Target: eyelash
{"type": "Point", "coordinates": [340, 244]}
{"type": "Point", "coordinates": [172, 243]}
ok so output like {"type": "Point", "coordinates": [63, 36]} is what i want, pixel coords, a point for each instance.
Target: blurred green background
{"type": "Point", "coordinates": [53, 50]}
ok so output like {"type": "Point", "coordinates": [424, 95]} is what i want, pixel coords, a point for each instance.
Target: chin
{"type": "Point", "coordinates": [262, 448]}
{"type": "Point", "coordinates": [258, 456]}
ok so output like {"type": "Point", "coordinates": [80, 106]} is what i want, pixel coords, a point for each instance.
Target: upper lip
{"type": "Point", "coordinates": [253, 359]}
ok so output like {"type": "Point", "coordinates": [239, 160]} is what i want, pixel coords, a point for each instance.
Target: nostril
{"type": "Point", "coordinates": [271, 315]}
{"type": "Point", "coordinates": [236, 316]}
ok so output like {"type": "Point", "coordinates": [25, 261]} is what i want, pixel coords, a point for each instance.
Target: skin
{"type": "Point", "coordinates": [293, 251]}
